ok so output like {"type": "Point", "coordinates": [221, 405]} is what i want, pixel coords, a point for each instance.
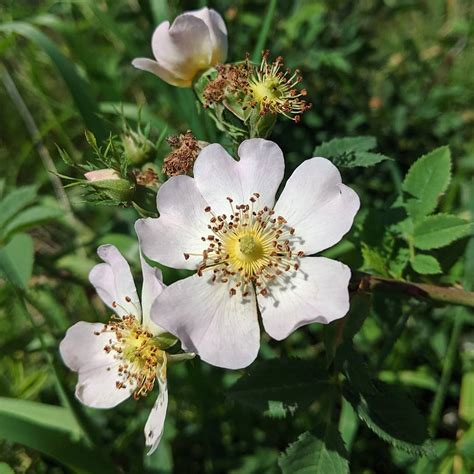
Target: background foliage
{"type": "Point", "coordinates": [399, 71]}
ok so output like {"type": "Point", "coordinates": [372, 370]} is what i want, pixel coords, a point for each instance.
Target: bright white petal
{"type": "Point", "coordinates": [260, 170]}
{"type": "Point", "coordinates": [179, 228]}
{"type": "Point", "coordinates": [317, 204]}
{"type": "Point", "coordinates": [318, 292]}
{"type": "Point", "coordinates": [156, 421]}
{"type": "Point", "coordinates": [157, 69]}
{"type": "Point", "coordinates": [217, 30]}
{"type": "Point", "coordinates": [185, 48]}
{"type": "Point", "coordinates": [82, 350]}
{"type": "Point", "coordinates": [114, 283]}
{"type": "Point", "coordinates": [222, 329]}
{"type": "Point", "coordinates": [152, 286]}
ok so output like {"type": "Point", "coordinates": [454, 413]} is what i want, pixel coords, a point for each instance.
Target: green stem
{"type": "Point", "coordinates": [262, 37]}
{"type": "Point", "coordinates": [443, 294]}
{"type": "Point", "coordinates": [448, 365]}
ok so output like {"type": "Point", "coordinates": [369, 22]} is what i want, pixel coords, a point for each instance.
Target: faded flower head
{"type": "Point", "coordinates": [248, 251]}
{"type": "Point", "coordinates": [269, 88]}
{"type": "Point", "coordinates": [125, 356]}
{"type": "Point", "coordinates": [196, 41]}
{"type": "Point", "coordinates": [186, 149]}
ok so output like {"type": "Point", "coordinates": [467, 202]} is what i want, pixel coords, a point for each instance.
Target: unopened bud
{"type": "Point", "coordinates": [101, 175]}
{"type": "Point", "coordinates": [109, 182]}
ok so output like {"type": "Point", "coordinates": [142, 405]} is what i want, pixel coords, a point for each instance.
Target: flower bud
{"type": "Point", "coordinates": [137, 147]}
{"type": "Point", "coordinates": [196, 41]}
{"type": "Point", "coordinates": [101, 175]}
{"type": "Point", "coordinates": [108, 182]}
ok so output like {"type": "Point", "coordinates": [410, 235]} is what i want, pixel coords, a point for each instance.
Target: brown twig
{"type": "Point", "coordinates": [444, 294]}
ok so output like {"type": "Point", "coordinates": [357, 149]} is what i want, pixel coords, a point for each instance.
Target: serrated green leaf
{"type": "Point", "coordinates": [362, 158]}
{"type": "Point", "coordinates": [280, 386]}
{"type": "Point", "coordinates": [15, 201]}
{"type": "Point", "coordinates": [437, 231]}
{"type": "Point", "coordinates": [426, 180]}
{"type": "Point", "coordinates": [425, 265]}
{"type": "Point", "coordinates": [51, 430]}
{"type": "Point", "coordinates": [321, 450]}
{"type": "Point", "coordinates": [16, 260]}
{"type": "Point", "coordinates": [339, 146]}
{"type": "Point", "coordinates": [350, 152]}
{"type": "Point", "coordinates": [392, 416]}
{"type": "Point", "coordinates": [29, 218]}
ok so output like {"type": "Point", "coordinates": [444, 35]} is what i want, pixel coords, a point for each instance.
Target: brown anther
{"type": "Point", "coordinates": [186, 256]}
{"type": "Point", "coordinates": [185, 148]}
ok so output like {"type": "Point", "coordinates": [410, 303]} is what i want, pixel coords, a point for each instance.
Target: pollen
{"type": "Point", "coordinates": [249, 247]}
{"type": "Point", "coordinates": [137, 354]}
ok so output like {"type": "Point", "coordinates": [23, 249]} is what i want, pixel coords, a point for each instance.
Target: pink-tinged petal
{"type": "Point", "coordinates": [97, 388]}
{"type": "Point", "coordinates": [152, 286]}
{"type": "Point", "coordinates": [260, 170]}
{"type": "Point", "coordinates": [317, 292]}
{"type": "Point", "coordinates": [222, 329]}
{"type": "Point", "coordinates": [179, 228]}
{"type": "Point", "coordinates": [104, 174]}
{"type": "Point", "coordinates": [184, 48]}
{"type": "Point", "coordinates": [114, 283]}
{"type": "Point", "coordinates": [82, 350]}
{"type": "Point", "coordinates": [157, 69]}
{"type": "Point", "coordinates": [156, 420]}
{"type": "Point", "coordinates": [317, 204]}
{"type": "Point", "coordinates": [217, 30]}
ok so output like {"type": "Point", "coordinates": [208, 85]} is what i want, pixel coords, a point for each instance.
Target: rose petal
{"type": "Point", "coordinates": [152, 286]}
{"type": "Point", "coordinates": [114, 283]}
{"type": "Point", "coordinates": [222, 329]}
{"type": "Point", "coordinates": [317, 204]}
{"type": "Point", "coordinates": [318, 292]}
{"type": "Point", "coordinates": [217, 30]}
{"type": "Point", "coordinates": [156, 420]}
{"type": "Point", "coordinates": [82, 350]}
{"type": "Point", "coordinates": [260, 170]}
{"type": "Point", "coordinates": [157, 69]}
{"type": "Point", "coordinates": [179, 228]}
{"type": "Point", "coordinates": [185, 48]}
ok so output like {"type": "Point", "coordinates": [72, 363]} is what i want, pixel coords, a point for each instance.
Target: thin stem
{"type": "Point", "coordinates": [443, 294]}
{"type": "Point", "coordinates": [262, 37]}
{"type": "Point", "coordinates": [448, 365]}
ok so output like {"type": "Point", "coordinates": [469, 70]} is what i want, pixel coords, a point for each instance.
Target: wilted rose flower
{"type": "Point", "coordinates": [196, 41]}
{"type": "Point", "coordinates": [251, 254]}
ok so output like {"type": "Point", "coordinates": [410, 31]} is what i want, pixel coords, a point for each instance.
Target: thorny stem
{"type": "Point", "coordinates": [443, 294]}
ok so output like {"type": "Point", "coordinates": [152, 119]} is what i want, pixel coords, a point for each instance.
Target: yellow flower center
{"type": "Point", "coordinates": [249, 247]}
{"type": "Point", "coordinates": [137, 354]}
{"type": "Point", "coordinates": [265, 90]}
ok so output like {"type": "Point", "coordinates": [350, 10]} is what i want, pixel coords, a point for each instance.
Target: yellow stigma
{"type": "Point", "coordinates": [249, 247]}
{"type": "Point", "coordinates": [137, 353]}
{"type": "Point", "coordinates": [265, 90]}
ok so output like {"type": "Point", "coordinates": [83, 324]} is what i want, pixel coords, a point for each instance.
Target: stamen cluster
{"type": "Point", "coordinates": [248, 247]}
{"type": "Point", "coordinates": [275, 89]}
{"type": "Point", "coordinates": [136, 352]}
{"type": "Point", "coordinates": [269, 88]}
{"type": "Point", "coordinates": [186, 148]}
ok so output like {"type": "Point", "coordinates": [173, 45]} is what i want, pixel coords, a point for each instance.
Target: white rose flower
{"type": "Point", "coordinates": [196, 41]}
{"type": "Point", "coordinates": [121, 358]}
{"type": "Point", "coordinates": [251, 254]}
